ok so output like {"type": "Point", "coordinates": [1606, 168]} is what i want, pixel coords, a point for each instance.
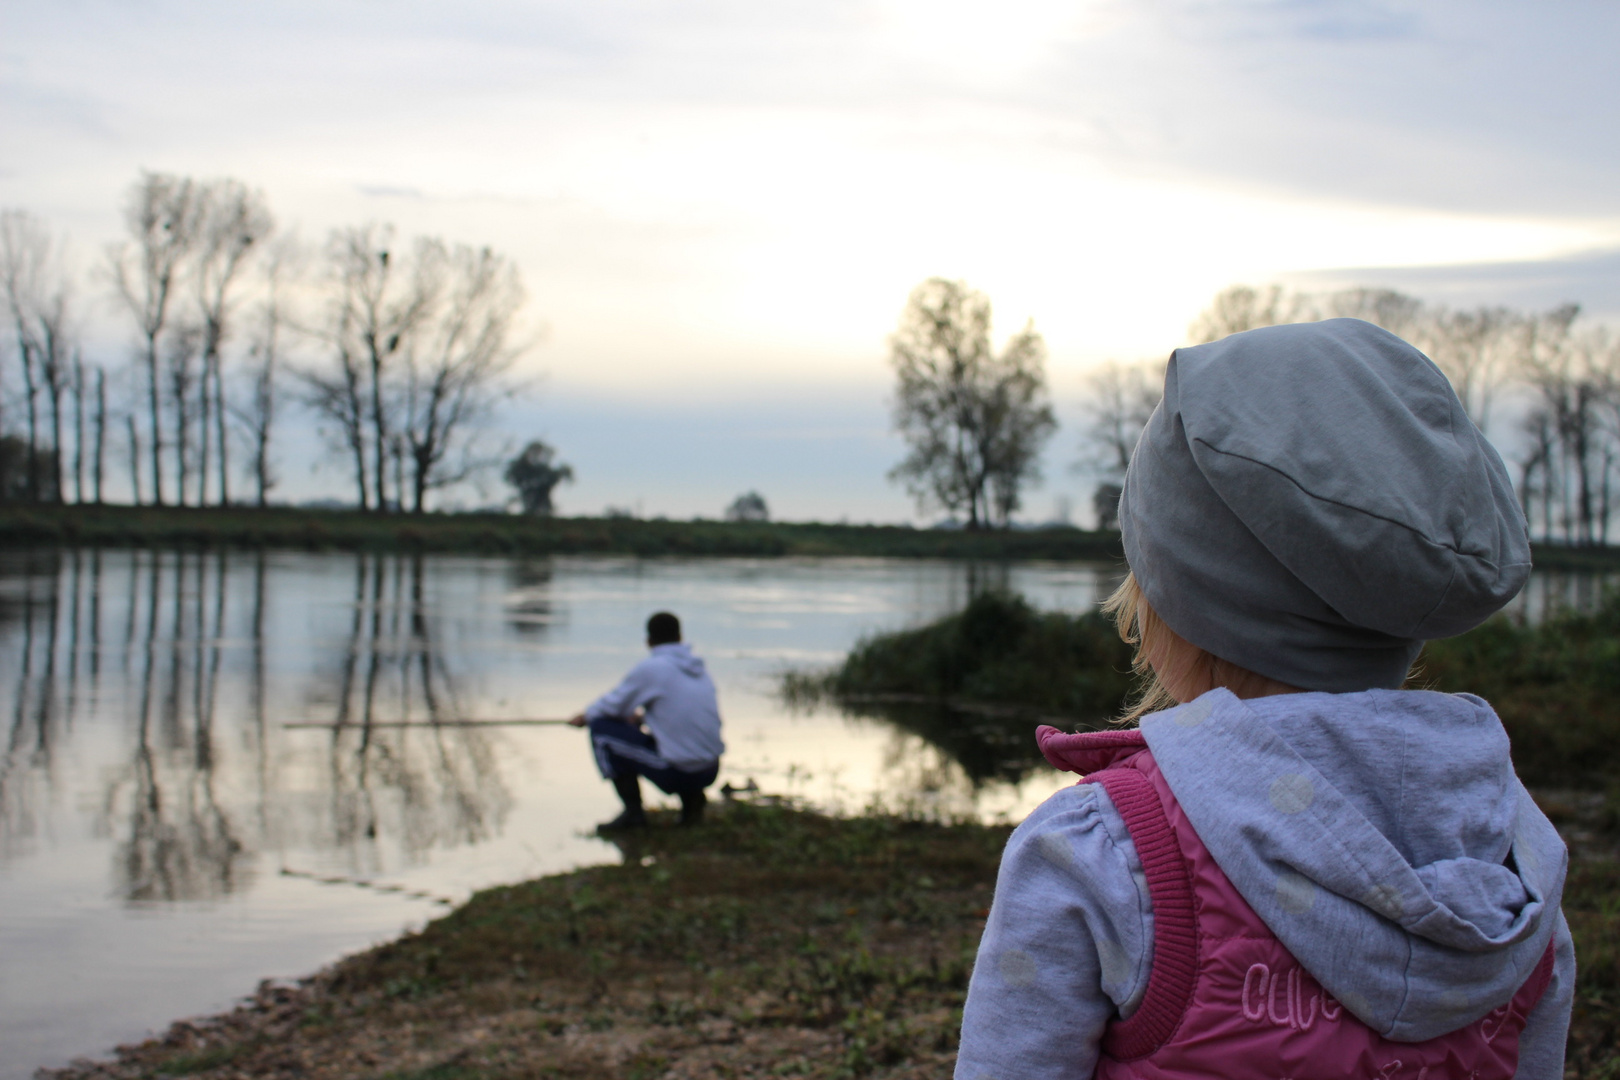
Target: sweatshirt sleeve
{"type": "Point", "coordinates": [634, 691]}
{"type": "Point", "coordinates": [1546, 1030]}
{"type": "Point", "coordinates": [1067, 946]}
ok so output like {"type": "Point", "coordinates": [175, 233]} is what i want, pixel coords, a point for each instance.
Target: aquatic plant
{"type": "Point", "coordinates": [977, 682]}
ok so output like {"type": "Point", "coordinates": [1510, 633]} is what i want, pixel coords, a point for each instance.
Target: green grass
{"type": "Point", "coordinates": [1556, 687]}
{"type": "Point", "coordinates": [758, 882]}
{"type": "Point", "coordinates": [1592, 906]}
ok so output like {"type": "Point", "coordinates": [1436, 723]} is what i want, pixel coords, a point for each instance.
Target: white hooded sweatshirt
{"type": "Point", "coordinates": [682, 709]}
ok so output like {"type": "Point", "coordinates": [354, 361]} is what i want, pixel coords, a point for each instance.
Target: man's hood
{"type": "Point", "coordinates": [680, 655]}
{"type": "Point", "coordinates": [1382, 836]}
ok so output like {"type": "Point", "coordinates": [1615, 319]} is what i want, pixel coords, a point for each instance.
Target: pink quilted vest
{"type": "Point", "coordinates": [1224, 997]}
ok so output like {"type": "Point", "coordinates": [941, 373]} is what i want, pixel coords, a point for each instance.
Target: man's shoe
{"type": "Point", "coordinates": [692, 808]}
{"type": "Point", "coordinates": [630, 819]}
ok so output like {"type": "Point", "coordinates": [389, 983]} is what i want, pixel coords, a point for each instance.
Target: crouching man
{"type": "Point", "coordinates": [670, 693]}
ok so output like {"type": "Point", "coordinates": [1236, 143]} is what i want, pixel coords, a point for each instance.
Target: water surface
{"type": "Point", "coordinates": [166, 840]}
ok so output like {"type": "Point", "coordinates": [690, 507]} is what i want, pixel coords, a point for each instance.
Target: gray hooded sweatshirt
{"type": "Point", "coordinates": [1381, 835]}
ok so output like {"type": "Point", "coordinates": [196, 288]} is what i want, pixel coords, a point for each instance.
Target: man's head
{"type": "Point", "coordinates": [663, 629]}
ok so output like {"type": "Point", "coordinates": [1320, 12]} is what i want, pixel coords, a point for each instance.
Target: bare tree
{"type": "Point", "coordinates": [453, 371]}
{"type": "Point", "coordinates": [1476, 350]}
{"type": "Point", "coordinates": [975, 422]}
{"type": "Point", "coordinates": [1603, 362]}
{"type": "Point", "coordinates": [161, 214]}
{"type": "Point", "coordinates": [180, 369]}
{"type": "Point", "coordinates": [132, 432]}
{"type": "Point", "coordinates": [1535, 469]}
{"type": "Point", "coordinates": [271, 324]}
{"type": "Point", "coordinates": [101, 434]}
{"type": "Point", "coordinates": [56, 372]}
{"type": "Point", "coordinates": [78, 388]}
{"type": "Point", "coordinates": [1396, 312]}
{"type": "Point", "coordinates": [337, 397]}
{"type": "Point", "coordinates": [36, 294]}
{"type": "Point", "coordinates": [1243, 307]}
{"type": "Point", "coordinates": [382, 301]}
{"type": "Point", "coordinates": [1571, 452]}
{"type": "Point", "coordinates": [1120, 399]}
{"type": "Point", "coordinates": [232, 221]}
{"type": "Point", "coordinates": [419, 344]}
{"type": "Point", "coordinates": [24, 251]}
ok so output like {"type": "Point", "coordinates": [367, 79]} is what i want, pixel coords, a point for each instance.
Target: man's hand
{"type": "Point", "coordinates": [577, 721]}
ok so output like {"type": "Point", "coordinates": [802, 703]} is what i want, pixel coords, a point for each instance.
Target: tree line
{"type": "Point", "coordinates": [1543, 386]}
{"type": "Point", "coordinates": [399, 350]}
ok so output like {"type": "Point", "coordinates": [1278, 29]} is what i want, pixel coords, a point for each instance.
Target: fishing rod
{"type": "Point", "coordinates": [360, 724]}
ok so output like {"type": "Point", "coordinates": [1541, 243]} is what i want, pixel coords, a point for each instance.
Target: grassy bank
{"type": "Point", "coordinates": [769, 943]}
{"type": "Point", "coordinates": [976, 682]}
{"type": "Point", "coordinates": [1556, 687]}
{"type": "Point", "coordinates": [345, 530]}
{"type": "Point", "coordinates": [348, 530]}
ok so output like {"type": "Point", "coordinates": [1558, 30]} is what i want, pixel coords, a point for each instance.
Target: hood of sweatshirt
{"type": "Point", "coordinates": [680, 655]}
{"type": "Point", "coordinates": [1382, 836]}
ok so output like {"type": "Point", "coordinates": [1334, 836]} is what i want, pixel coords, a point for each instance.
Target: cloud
{"type": "Point", "coordinates": [1591, 279]}
{"type": "Point", "coordinates": [389, 191]}
{"type": "Point", "coordinates": [1481, 105]}
{"type": "Point", "coordinates": [698, 191]}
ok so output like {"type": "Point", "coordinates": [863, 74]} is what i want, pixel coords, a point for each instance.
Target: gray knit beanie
{"type": "Point", "coordinates": [1312, 503]}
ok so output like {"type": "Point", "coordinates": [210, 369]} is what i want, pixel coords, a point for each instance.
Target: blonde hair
{"type": "Point", "coordinates": [1163, 658]}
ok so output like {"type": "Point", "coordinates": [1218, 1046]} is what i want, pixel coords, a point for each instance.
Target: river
{"type": "Point", "coordinates": [166, 840]}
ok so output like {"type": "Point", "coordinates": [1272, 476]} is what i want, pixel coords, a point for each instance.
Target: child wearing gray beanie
{"type": "Point", "coordinates": [1293, 867]}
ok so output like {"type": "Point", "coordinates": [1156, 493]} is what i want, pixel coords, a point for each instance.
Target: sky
{"type": "Point", "coordinates": [720, 207]}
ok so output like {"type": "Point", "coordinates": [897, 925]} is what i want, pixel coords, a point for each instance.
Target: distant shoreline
{"type": "Point", "coordinates": [306, 529]}
{"type": "Point", "coordinates": [508, 534]}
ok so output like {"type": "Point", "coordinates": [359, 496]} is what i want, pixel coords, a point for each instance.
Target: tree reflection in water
{"type": "Point", "coordinates": [432, 786]}
{"type": "Point", "coordinates": [181, 843]}
{"type": "Point", "coordinates": [27, 604]}
{"type": "Point", "coordinates": [204, 780]}
{"type": "Point", "coordinates": [530, 608]}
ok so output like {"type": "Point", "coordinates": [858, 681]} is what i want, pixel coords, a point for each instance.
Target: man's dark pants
{"type": "Point", "coordinates": [625, 752]}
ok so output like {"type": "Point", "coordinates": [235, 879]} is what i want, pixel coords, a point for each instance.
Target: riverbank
{"type": "Point", "coordinates": [348, 530]}
{"type": "Point", "coordinates": [770, 942]}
